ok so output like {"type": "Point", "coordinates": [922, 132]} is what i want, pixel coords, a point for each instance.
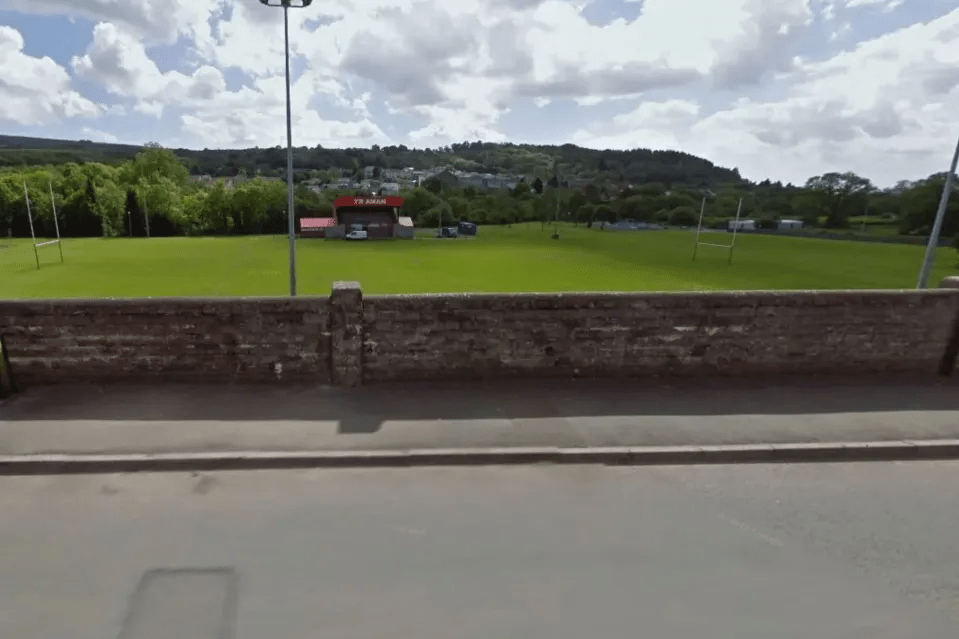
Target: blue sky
{"type": "Point", "coordinates": [781, 89]}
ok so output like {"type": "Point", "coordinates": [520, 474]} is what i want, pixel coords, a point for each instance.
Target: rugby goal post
{"type": "Point", "coordinates": [56, 225]}
{"type": "Point", "coordinates": [699, 230]}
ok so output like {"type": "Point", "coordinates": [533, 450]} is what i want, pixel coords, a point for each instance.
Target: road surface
{"type": "Point", "coordinates": [838, 551]}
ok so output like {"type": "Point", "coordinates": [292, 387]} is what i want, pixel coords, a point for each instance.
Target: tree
{"type": "Point", "coordinates": [841, 195]}
{"type": "Point", "coordinates": [521, 189]}
{"type": "Point", "coordinates": [110, 208]}
{"type": "Point", "coordinates": [592, 193]}
{"type": "Point", "coordinates": [919, 204]}
{"type": "Point", "coordinates": [576, 202]}
{"type": "Point", "coordinates": [683, 216]}
{"type": "Point", "coordinates": [538, 186]}
{"type": "Point", "coordinates": [155, 162]}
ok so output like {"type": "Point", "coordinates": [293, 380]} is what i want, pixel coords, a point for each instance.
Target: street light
{"type": "Point", "coordinates": [287, 4]}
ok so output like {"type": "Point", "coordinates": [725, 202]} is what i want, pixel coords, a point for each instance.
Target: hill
{"type": "Point", "coordinates": [638, 166]}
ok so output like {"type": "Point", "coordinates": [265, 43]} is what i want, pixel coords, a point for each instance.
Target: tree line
{"type": "Point", "coordinates": [154, 193]}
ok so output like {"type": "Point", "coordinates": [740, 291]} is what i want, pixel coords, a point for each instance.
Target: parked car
{"type": "Point", "coordinates": [448, 231]}
{"type": "Point", "coordinates": [467, 228]}
{"type": "Point", "coordinates": [356, 232]}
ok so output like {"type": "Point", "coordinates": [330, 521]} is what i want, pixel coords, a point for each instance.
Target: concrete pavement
{"type": "Point", "coordinates": [783, 551]}
{"type": "Point", "coordinates": [208, 427]}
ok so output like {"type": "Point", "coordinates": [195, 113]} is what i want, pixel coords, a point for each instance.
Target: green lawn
{"type": "Point", "coordinates": [499, 259]}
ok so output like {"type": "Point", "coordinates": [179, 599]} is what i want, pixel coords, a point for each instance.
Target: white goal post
{"type": "Point", "coordinates": [56, 225]}
{"type": "Point", "coordinates": [699, 230]}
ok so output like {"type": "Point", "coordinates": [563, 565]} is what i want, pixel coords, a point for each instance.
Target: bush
{"type": "Point", "coordinates": [683, 216]}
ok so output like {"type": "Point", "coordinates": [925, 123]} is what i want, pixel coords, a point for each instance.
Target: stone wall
{"type": "Point", "coordinates": [166, 339]}
{"type": "Point", "coordinates": [468, 336]}
{"type": "Point", "coordinates": [349, 339]}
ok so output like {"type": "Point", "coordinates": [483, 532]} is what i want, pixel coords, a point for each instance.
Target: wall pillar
{"type": "Point", "coordinates": [7, 387]}
{"type": "Point", "coordinates": [346, 334]}
{"type": "Point", "coordinates": [950, 357]}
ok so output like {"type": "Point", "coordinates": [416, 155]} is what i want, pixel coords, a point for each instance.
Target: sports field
{"type": "Point", "coordinates": [499, 259]}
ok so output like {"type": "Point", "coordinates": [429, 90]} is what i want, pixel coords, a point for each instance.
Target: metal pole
{"type": "Point", "coordinates": [937, 225]}
{"type": "Point", "coordinates": [56, 225]}
{"type": "Point", "coordinates": [700, 227]}
{"type": "Point", "coordinates": [26, 196]}
{"type": "Point", "coordinates": [146, 213]}
{"type": "Point", "coordinates": [735, 228]}
{"type": "Point", "coordinates": [289, 152]}
{"type": "Point", "coordinates": [556, 177]}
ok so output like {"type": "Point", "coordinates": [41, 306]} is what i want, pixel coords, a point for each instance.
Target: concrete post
{"type": "Point", "coordinates": [949, 359]}
{"type": "Point", "coordinates": [346, 334]}
{"type": "Point", "coordinates": [950, 282]}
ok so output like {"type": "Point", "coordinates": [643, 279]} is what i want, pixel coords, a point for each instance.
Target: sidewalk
{"type": "Point", "coordinates": [179, 421]}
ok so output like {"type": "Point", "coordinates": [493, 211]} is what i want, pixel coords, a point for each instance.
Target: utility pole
{"type": "Point", "coordinates": [930, 257]}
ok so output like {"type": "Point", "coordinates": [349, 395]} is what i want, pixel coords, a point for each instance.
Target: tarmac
{"type": "Point", "coordinates": [176, 427]}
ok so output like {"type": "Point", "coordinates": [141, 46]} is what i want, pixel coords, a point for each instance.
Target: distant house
{"type": "Point", "coordinates": [790, 225]}
{"type": "Point", "coordinates": [445, 177]}
{"type": "Point", "coordinates": [390, 188]}
{"type": "Point", "coordinates": [742, 225]}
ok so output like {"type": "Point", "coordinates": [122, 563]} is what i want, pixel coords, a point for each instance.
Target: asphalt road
{"type": "Point", "coordinates": [836, 551]}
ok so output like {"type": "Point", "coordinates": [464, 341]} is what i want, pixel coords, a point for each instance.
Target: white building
{"type": "Point", "coordinates": [390, 188]}
{"type": "Point", "coordinates": [790, 225]}
{"type": "Point", "coordinates": [742, 225]}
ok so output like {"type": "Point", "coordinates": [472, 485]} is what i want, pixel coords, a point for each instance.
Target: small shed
{"type": "Point", "coordinates": [404, 227]}
{"type": "Point", "coordinates": [790, 225]}
{"type": "Point", "coordinates": [315, 226]}
{"type": "Point", "coordinates": [742, 225]}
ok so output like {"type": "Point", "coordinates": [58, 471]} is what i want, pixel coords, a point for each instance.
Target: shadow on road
{"type": "Point", "coordinates": [363, 410]}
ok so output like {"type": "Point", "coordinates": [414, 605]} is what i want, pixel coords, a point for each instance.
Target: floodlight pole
{"type": "Point", "coordinates": [289, 152]}
{"type": "Point", "coordinates": [286, 4]}
{"type": "Point", "coordinates": [937, 225]}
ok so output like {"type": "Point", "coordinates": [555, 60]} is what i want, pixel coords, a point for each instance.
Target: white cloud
{"type": "Point", "coordinates": [727, 79]}
{"type": "Point", "coordinates": [98, 136]}
{"type": "Point", "coordinates": [885, 5]}
{"type": "Point", "coordinates": [882, 109]}
{"type": "Point", "coordinates": [33, 90]}
{"type": "Point", "coordinates": [117, 61]}
{"type": "Point", "coordinates": [151, 20]}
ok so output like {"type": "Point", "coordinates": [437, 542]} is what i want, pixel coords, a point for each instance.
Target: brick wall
{"type": "Point", "coordinates": [467, 336]}
{"type": "Point", "coordinates": [349, 339]}
{"type": "Point", "coordinates": [170, 339]}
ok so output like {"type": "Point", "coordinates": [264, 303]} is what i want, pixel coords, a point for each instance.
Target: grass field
{"type": "Point", "coordinates": [499, 259]}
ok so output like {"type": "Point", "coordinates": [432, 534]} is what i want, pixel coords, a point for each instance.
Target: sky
{"type": "Point", "coordinates": [780, 89]}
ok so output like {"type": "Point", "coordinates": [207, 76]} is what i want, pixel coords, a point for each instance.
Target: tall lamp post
{"type": "Point", "coordinates": [287, 4]}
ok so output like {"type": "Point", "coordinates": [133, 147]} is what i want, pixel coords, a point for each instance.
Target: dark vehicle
{"type": "Point", "coordinates": [467, 228]}
{"type": "Point", "coordinates": [448, 231]}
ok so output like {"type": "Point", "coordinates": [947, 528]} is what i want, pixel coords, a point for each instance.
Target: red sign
{"type": "Point", "coordinates": [349, 200]}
